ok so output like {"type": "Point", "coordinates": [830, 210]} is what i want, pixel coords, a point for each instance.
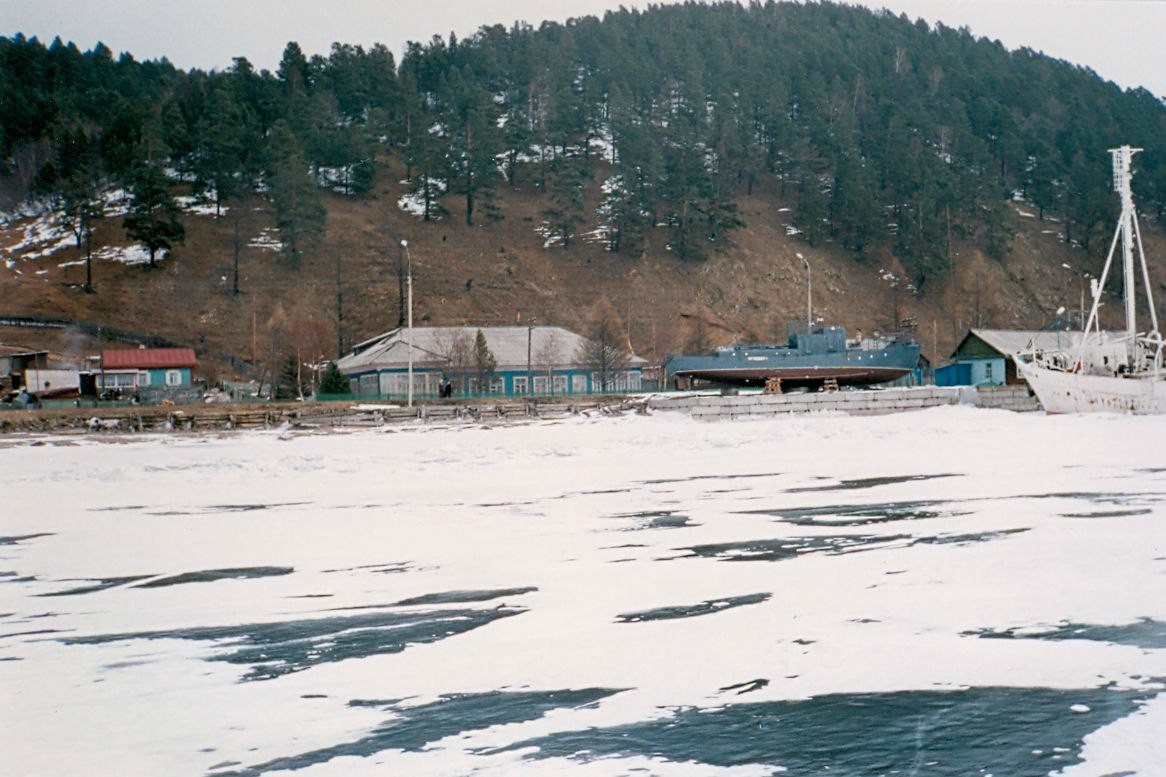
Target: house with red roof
{"type": "Point", "coordinates": [157, 370]}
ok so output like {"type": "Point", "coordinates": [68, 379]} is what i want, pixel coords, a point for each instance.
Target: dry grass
{"type": "Point", "coordinates": [499, 273]}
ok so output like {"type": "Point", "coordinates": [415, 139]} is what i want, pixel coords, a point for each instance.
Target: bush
{"type": "Point", "coordinates": [332, 381]}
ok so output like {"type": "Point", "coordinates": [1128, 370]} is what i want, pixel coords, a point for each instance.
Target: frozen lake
{"type": "Point", "coordinates": [949, 592]}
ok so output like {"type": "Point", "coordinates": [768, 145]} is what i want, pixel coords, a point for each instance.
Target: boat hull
{"type": "Point", "coordinates": [797, 377]}
{"type": "Point", "coordinates": [1072, 392]}
{"type": "Point", "coordinates": [756, 365]}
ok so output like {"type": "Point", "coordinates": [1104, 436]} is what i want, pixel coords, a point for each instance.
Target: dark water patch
{"type": "Point", "coordinates": [390, 568]}
{"type": "Point", "coordinates": [116, 508]}
{"type": "Point", "coordinates": [860, 483]}
{"type": "Point", "coordinates": [863, 515]}
{"type": "Point", "coordinates": [1109, 513]}
{"type": "Point", "coordinates": [625, 546]}
{"type": "Point", "coordinates": [524, 503]}
{"type": "Point", "coordinates": [692, 610]}
{"type": "Point", "coordinates": [1119, 498]}
{"type": "Point", "coordinates": [662, 481]}
{"type": "Point", "coordinates": [13, 540]}
{"type": "Point", "coordinates": [100, 584]}
{"type": "Point", "coordinates": [465, 597]}
{"type": "Point", "coordinates": [792, 547]}
{"type": "Point", "coordinates": [364, 607]}
{"type": "Point", "coordinates": [1144, 633]}
{"type": "Point", "coordinates": [232, 508]}
{"type": "Point", "coordinates": [246, 508]}
{"type": "Point", "coordinates": [30, 633]}
{"type": "Point", "coordinates": [747, 687]}
{"type": "Point", "coordinates": [212, 575]}
{"type": "Point", "coordinates": [413, 728]}
{"type": "Point", "coordinates": [275, 649]}
{"type": "Point", "coordinates": [598, 492]}
{"type": "Point", "coordinates": [656, 519]}
{"type": "Point", "coordinates": [15, 577]}
{"type": "Point", "coordinates": [966, 539]}
{"type": "Point", "coordinates": [310, 596]}
{"type": "Point", "coordinates": [1006, 731]}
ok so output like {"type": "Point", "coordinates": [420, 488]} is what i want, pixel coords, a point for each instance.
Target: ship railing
{"type": "Point", "coordinates": [1151, 348]}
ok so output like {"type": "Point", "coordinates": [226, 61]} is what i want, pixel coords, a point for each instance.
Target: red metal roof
{"type": "Point", "coordinates": [147, 358]}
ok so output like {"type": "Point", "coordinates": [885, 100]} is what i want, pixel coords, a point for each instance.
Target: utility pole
{"type": "Point", "coordinates": [529, 333]}
{"type": "Point", "coordinates": [339, 310]}
{"type": "Point", "coordinates": [401, 284]}
{"type": "Point", "coordinates": [409, 331]}
{"type": "Point", "coordinates": [88, 232]}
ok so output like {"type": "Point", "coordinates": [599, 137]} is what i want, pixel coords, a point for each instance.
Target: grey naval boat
{"type": "Point", "coordinates": [811, 359]}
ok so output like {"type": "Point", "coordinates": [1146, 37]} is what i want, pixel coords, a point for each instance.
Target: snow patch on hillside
{"type": "Point", "coordinates": [131, 254]}
{"type": "Point", "coordinates": [266, 240]}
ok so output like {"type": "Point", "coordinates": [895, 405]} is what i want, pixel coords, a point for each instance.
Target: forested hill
{"type": "Point", "coordinates": [888, 134]}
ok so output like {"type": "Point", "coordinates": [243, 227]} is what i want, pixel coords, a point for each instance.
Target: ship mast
{"type": "Point", "coordinates": [1121, 184]}
{"type": "Point", "coordinates": [1130, 236]}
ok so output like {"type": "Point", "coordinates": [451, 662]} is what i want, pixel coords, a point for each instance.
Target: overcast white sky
{"type": "Point", "coordinates": [1122, 40]}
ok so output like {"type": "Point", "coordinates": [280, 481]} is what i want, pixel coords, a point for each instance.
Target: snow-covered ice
{"type": "Point", "coordinates": [946, 591]}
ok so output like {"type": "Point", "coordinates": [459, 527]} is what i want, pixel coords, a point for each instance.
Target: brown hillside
{"type": "Point", "coordinates": [499, 273]}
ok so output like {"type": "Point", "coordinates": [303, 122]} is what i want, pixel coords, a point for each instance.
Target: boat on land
{"type": "Point", "coordinates": [812, 358]}
{"type": "Point", "coordinates": [1107, 371]}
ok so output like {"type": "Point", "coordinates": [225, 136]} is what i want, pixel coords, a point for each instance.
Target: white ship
{"type": "Point", "coordinates": [1107, 371]}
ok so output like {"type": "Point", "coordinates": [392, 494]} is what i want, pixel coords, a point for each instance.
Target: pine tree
{"type": "Point", "coordinates": [565, 184]}
{"type": "Point", "coordinates": [473, 141]}
{"type": "Point", "coordinates": [153, 217]}
{"type": "Point", "coordinates": [223, 162]}
{"type": "Point", "coordinates": [854, 205]}
{"type": "Point", "coordinates": [484, 361]}
{"type": "Point", "coordinates": [333, 381]}
{"type": "Point", "coordinates": [300, 212]}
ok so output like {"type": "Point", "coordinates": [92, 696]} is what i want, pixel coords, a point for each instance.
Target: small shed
{"type": "Point", "coordinates": [984, 357]}
{"type": "Point", "coordinates": [15, 364]}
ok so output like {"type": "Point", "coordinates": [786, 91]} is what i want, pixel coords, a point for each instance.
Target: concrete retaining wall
{"type": "Point", "coordinates": [856, 402]}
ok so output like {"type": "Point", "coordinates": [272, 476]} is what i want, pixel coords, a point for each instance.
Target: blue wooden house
{"type": "Point", "coordinates": [529, 360]}
{"type": "Point", "coordinates": [153, 370]}
{"type": "Point", "coordinates": [984, 357]}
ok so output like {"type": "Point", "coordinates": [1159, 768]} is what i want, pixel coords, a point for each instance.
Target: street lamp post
{"type": "Point", "coordinates": [1081, 289]}
{"type": "Point", "coordinates": [409, 330]}
{"type": "Point", "coordinates": [1081, 283]}
{"type": "Point", "coordinates": [529, 374]}
{"type": "Point", "coordinates": [809, 296]}
{"type": "Point", "coordinates": [401, 284]}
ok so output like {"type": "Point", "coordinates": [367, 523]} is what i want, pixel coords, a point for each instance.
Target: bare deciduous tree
{"type": "Point", "coordinates": [457, 348]}
{"type": "Point", "coordinates": [547, 355]}
{"type": "Point", "coordinates": [605, 353]}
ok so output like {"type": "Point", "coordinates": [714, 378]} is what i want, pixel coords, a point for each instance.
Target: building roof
{"type": "Point", "coordinates": [17, 351]}
{"type": "Point", "coordinates": [1012, 341]}
{"type": "Point", "coordinates": [432, 345]}
{"type": "Point", "coordinates": [147, 358]}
